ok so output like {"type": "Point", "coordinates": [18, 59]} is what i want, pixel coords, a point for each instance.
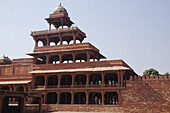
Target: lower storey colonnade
{"type": "Point", "coordinates": [93, 98]}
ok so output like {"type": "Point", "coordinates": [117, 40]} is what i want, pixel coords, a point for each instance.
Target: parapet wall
{"type": "Point", "coordinates": [145, 89]}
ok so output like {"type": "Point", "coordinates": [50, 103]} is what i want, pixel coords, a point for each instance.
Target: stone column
{"type": "Point", "coordinates": [47, 59]}
{"type": "Point", "coordinates": [73, 79]}
{"type": "Point", "coordinates": [87, 82]}
{"type": "Point", "coordinates": [122, 78]}
{"type": "Point", "coordinates": [48, 42]}
{"type": "Point", "coordinates": [22, 104]}
{"type": "Point", "coordinates": [102, 97]}
{"type": "Point", "coordinates": [72, 97]}
{"type": "Point", "coordinates": [118, 76]}
{"type": "Point", "coordinates": [87, 97]}
{"type": "Point", "coordinates": [61, 58]}
{"type": "Point", "coordinates": [40, 104]}
{"type": "Point", "coordinates": [35, 59]}
{"type": "Point", "coordinates": [74, 38]}
{"type": "Point", "coordinates": [50, 26]}
{"type": "Point", "coordinates": [119, 97]}
{"type": "Point", "coordinates": [59, 80]}
{"type": "Point", "coordinates": [36, 43]}
{"type": "Point", "coordinates": [103, 75]}
{"type": "Point", "coordinates": [1, 99]}
{"type": "Point", "coordinates": [61, 41]}
{"type": "Point", "coordinates": [58, 97]}
{"type": "Point", "coordinates": [46, 80]}
{"type": "Point", "coordinates": [74, 57]}
{"type": "Point", "coordinates": [88, 56]}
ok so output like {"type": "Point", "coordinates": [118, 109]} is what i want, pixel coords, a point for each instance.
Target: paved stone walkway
{"type": "Point", "coordinates": [83, 112]}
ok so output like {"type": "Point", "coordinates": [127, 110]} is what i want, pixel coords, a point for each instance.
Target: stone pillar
{"type": "Point", "coordinates": [119, 97]}
{"type": "Point", "coordinates": [73, 79]}
{"type": "Point", "coordinates": [72, 97]}
{"type": "Point", "coordinates": [61, 58]}
{"type": "Point", "coordinates": [87, 82]}
{"type": "Point", "coordinates": [88, 56]}
{"type": "Point", "coordinates": [47, 59]}
{"type": "Point", "coordinates": [36, 43]}
{"type": "Point", "coordinates": [24, 86]}
{"type": "Point", "coordinates": [74, 57]}
{"type": "Point", "coordinates": [87, 97]}
{"type": "Point", "coordinates": [102, 97]}
{"type": "Point", "coordinates": [59, 80]}
{"type": "Point", "coordinates": [1, 99]}
{"type": "Point", "coordinates": [61, 41]}
{"type": "Point", "coordinates": [74, 39]}
{"type": "Point", "coordinates": [33, 81]}
{"type": "Point", "coordinates": [122, 73]}
{"type": "Point", "coordinates": [103, 75]}
{"type": "Point", "coordinates": [45, 97]}
{"type": "Point", "coordinates": [22, 104]}
{"type": "Point", "coordinates": [40, 104]}
{"type": "Point", "coordinates": [46, 80]}
{"type": "Point", "coordinates": [48, 42]}
{"type": "Point", "coordinates": [118, 76]}
{"type": "Point", "coordinates": [58, 97]}
{"type": "Point", "coordinates": [35, 59]}
{"type": "Point", "coordinates": [50, 26]}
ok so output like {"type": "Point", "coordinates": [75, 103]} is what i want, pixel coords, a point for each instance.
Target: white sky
{"type": "Point", "coordinates": [137, 31]}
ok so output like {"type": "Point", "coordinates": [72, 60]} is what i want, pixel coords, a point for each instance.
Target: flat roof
{"type": "Point", "coordinates": [95, 69]}
{"type": "Point", "coordinates": [15, 82]}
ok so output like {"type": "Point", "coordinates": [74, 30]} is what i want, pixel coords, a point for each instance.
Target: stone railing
{"type": "Point", "coordinates": [156, 77]}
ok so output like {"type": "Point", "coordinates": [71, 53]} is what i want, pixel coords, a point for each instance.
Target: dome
{"type": "Point", "coordinates": [59, 9]}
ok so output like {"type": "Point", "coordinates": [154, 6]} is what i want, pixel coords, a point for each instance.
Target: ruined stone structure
{"type": "Point", "coordinates": [72, 76]}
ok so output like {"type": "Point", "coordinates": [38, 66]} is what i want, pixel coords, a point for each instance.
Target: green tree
{"type": "Point", "coordinates": [167, 73]}
{"type": "Point", "coordinates": [150, 71]}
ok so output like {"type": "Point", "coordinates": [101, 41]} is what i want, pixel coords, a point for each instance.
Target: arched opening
{"type": "Point", "coordinates": [92, 59]}
{"type": "Point", "coordinates": [41, 60]}
{"type": "Point", "coordinates": [80, 80]}
{"type": "Point", "coordinates": [80, 98]}
{"type": "Point", "coordinates": [111, 80]}
{"type": "Point", "coordinates": [95, 80]}
{"type": "Point", "coordinates": [65, 43]}
{"type": "Point", "coordinates": [39, 81]}
{"type": "Point", "coordinates": [95, 98]}
{"type": "Point", "coordinates": [51, 98]}
{"type": "Point", "coordinates": [82, 57]}
{"type": "Point", "coordinates": [71, 42]}
{"type": "Point", "coordinates": [68, 58]}
{"type": "Point", "coordinates": [67, 39]}
{"type": "Point", "coordinates": [78, 41]}
{"type": "Point", "coordinates": [54, 41]}
{"type": "Point", "coordinates": [52, 81]}
{"type": "Point", "coordinates": [54, 59]}
{"type": "Point", "coordinates": [42, 42]}
{"type": "Point", "coordinates": [65, 98]}
{"type": "Point", "coordinates": [111, 98]}
{"type": "Point", "coordinates": [20, 88]}
{"type": "Point", "coordinates": [4, 88]}
{"type": "Point", "coordinates": [8, 108]}
{"type": "Point", "coordinates": [66, 81]}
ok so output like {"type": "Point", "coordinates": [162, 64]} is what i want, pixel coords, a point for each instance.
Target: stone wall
{"type": "Point", "coordinates": [147, 89]}
{"type": "Point", "coordinates": [142, 94]}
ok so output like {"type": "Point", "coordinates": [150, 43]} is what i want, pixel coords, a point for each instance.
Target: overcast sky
{"type": "Point", "coordinates": [137, 31]}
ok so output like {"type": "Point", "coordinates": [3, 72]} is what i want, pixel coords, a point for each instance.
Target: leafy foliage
{"type": "Point", "coordinates": [167, 73]}
{"type": "Point", "coordinates": [150, 71]}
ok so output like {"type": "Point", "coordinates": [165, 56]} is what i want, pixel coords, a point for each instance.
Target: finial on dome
{"type": "Point", "coordinates": [60, 4]}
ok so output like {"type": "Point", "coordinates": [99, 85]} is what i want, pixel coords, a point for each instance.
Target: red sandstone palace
{"type": "Point", "coordinates": [65, 71]}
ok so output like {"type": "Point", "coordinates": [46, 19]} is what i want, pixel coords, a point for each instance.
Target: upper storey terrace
{"type": "Point", "coordinates": [62, 44]}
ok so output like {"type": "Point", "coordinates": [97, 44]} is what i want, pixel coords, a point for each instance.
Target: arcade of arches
{"type": "Point", "coordinates": [66, 58]}
{"type": "Point", "coordinates": [60, 87]}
